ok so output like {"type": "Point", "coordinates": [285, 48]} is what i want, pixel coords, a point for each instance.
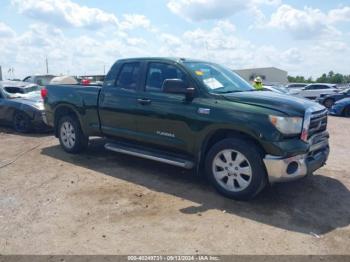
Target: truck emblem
{"type": "Point", "coordinates": [204, 111]}
{"type": "Point", "coordinates": [165, 134]}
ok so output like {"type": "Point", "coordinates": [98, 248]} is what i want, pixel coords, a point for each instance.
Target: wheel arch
{"type": "Point", "coordinates": [220, 134]}
{"type": "Point", "coordinates": [64, 110]}
{"type": "Point", "coordinates": [347, 107]}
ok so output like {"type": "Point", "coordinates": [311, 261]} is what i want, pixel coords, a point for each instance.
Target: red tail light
{"type": "Point", "coordinates": [44, 92]}
{"type": "Point", "coordinates": [85, 82]}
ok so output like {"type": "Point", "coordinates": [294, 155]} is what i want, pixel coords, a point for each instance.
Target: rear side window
{"type": "Point", "coordinates": [158, 72]}
{"type": "Point", "coordinates": [129, 76]}
{"type": "Point", "coordinates": [324, 87]}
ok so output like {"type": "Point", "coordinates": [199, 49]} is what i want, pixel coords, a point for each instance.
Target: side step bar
{"type": "Point", "coordinates": [151, 155]}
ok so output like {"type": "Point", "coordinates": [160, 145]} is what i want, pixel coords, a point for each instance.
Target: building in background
{"type": "Point", "coordinates": [270, 75]}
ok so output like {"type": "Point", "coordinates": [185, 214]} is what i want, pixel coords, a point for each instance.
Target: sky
{"type": "Point", "coordinates": [86, 37]}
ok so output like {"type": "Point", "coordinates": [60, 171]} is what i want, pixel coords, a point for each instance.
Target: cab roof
{"type": "Point", "coordinates": [164, 59]}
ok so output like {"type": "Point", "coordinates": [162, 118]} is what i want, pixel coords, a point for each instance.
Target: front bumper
{"type": "Point", "coordinates": [287, 169]}
{"type": "Point", "coordinates": [336, 110]}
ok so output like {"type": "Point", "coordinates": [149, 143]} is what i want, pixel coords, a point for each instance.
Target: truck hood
{"type": "Point", "coordinates": [289, 105]}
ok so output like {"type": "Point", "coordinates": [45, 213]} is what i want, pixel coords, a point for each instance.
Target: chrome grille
{"type": "Point", "coordinates": [318, 122]}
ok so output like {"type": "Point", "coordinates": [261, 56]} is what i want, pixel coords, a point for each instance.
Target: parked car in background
{"type": "Point", "coordinates": [314, 91]}
{"type": "Point", "coordinates": [341, 108]}
{"type": "Point", "coordinates": [91, 80]}
{"type": "Point", "coordinates": [296, 85]}
{"type": "Point", "coordinates": [276, 89]}
{"type": "Point", "coordinates": [40, 80]}
{"type": "Point", "coordinates": [329, 100]}
{"type": "Point", "coordinates": [21, 106]}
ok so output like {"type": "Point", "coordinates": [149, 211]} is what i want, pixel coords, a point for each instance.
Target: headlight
{"type": "Point", "coordinates": [287, 125]}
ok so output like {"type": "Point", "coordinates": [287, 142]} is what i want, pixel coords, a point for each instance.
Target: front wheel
{"type": "Point", "coordinates": [71, 136]}
{"type": "Point", "coordinates": [21, 122]}
{"type": "Point", "coordinates": [329, 102]}
{"type": "Point", "coordinates": [346, 112]}
{"type": "Point", "coordinates": [235, 168]}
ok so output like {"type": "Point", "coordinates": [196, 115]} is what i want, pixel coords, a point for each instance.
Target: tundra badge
{"type": "Point", "coordinates": [204, 111]}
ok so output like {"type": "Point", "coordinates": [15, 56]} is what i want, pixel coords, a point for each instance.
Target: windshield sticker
{"type": "Point", "coordinates": [212, 83]}
{"type": "Point", "coordinates": [199, 73]}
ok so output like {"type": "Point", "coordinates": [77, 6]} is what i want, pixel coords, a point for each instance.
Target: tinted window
{"type": "Point", "coordinates": [158, 72]}
{"type": "Point", "coordinates": [43, 80]}
{"type": "Point", "coordinates": [296, 85]}
{"type": "Point", "coordinates": [128, 76]}
{"type": "Point", "coordinates": [313, 87]}
{"type": "Point", "coordinates": [29, 79]}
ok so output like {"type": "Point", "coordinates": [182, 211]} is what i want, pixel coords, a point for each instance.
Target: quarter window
{"type": "Point", "coordinates": [158, 73]}
{"type": "Point", "coordinates": [128, 76]}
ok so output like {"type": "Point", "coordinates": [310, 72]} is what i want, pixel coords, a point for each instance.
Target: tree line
{"type": "Point", "coordinates": [331, 77]}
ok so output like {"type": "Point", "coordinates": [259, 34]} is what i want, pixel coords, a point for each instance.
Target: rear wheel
{"type": "Point", "coordinates": [346, 111]}
{"type": "Point", "coordinates": [21, 122]}
{"type": "Point", "coordinates": [71, 136]}
{"type": "Point", "coordinates": [329, 102]}
{"type": "Point", "coordinates": [235, 168]}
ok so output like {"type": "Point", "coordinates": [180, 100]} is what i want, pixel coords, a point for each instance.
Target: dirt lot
{"type": "Point", "coordinates": [104, 203]}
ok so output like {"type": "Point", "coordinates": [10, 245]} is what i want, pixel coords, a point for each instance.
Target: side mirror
{"type": "Point", "coordinates": [177, 86]}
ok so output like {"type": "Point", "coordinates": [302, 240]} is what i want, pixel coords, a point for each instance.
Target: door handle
{"type": "Point", "coordinates": [144, 101]}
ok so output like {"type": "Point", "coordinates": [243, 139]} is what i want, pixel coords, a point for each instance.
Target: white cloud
{"type": "Point", "coordinates": [199, 10]}
{"type": "Point", "coordinates": [132, 21]}
{"type": "Point", "coordinates": [308, 22]}
{"type": "Point", "coordinates": [65, 13]}
{"type": "Point", "coordinates": [6, 31]}
{"type": "Point", "coordinates": [339, 15]}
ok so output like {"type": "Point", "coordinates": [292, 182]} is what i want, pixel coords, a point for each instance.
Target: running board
{"type": "Point", "coordinates": [151, 155]}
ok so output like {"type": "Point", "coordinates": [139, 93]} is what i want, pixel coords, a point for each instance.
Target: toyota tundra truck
{"type": "Point", "coordinates": [194, 115]}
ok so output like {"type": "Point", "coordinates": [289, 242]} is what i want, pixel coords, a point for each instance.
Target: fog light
{"type": "Point", "coordinates": [292, 168]}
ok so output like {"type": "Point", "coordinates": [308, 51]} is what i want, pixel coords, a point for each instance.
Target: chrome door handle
{"type": "Point", "coordinates": [144, 101]}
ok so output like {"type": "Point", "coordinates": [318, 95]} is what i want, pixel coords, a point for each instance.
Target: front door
{"type": "Point", "coordinates": [167, 120]}
{"type": "Point", "coordinates": [118, 103]}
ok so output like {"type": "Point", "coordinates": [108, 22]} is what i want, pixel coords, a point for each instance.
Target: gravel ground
{"type": "Point", "coordinates": [105, 203]}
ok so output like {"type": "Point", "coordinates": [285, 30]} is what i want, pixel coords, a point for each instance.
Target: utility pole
{"type": "Point", "coordinates": [47, 66]}
{"type": "Point", "coordinates": [104, 69]}
{"type": "Point", "coordinates": [0, 74]}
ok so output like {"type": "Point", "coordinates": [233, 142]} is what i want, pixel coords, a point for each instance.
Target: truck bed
{"type": "Point", "coordinates": [81, 99]}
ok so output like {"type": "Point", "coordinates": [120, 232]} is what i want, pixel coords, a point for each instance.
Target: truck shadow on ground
{"type": "Point", "coordinates": [8, 130]}
{"type": "Point", "coordinates": [317, 204]}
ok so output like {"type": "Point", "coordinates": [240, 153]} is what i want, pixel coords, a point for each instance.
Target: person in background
{"type": "Point", "coordinates": [258, 83]}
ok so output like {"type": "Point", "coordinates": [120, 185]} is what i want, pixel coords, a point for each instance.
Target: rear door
{"type": "Point", "coordinates": [311, 91]}
{"type": "Point", "coordinates": [166, 119]}
{"type": "Point", "coordinates": [118, 101]}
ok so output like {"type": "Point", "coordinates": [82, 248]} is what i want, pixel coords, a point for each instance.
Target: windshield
{"type": "Point", "coordinates": [218, 79]}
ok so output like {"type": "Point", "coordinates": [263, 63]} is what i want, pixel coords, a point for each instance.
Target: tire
{"type": "Point", "coordinates": [346, 111]}
{"type": "Point", "coordinates": [329, 102]}
{"type": "Point", "coordinates": [71, 137]}
{"type": "Point", "coordinates": [242, 178]}
{"type": "Point", "coordinates": [21, 122]}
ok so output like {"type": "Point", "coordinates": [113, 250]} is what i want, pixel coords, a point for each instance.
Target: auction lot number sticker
{"type": "Point", "coordinates": [173, 258]}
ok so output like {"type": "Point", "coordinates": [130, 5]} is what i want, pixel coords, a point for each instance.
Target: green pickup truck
{"type": "Point", "coordinates": [195, 115]}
